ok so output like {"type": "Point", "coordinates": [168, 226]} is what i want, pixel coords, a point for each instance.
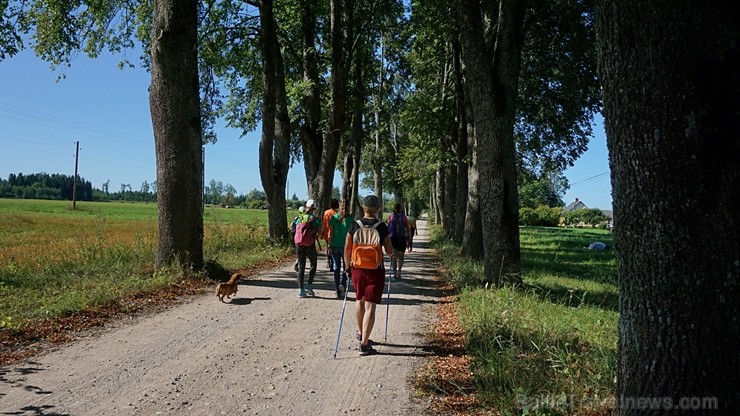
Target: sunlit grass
{"type": "Point", "coordinates": [548, 347]}
{"type": "Point", "coordinates": [56, 261]}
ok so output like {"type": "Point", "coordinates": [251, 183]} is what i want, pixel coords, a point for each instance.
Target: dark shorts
{"type": "Point", "coordinates": [399, 243]}
{"type": "Point", "coordinates": [369, 284]}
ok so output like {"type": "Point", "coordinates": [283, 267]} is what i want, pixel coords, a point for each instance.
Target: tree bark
{"type": "Point", "coordinates": [472, 242]}
{"type": "Point", "coordinates": [493, 77]}
{"type": "Point", "coordinates": [450, 186]}
{"type": "Point", "coordinates": [274, 149]}
{"type": "Point", "coordinates": [175, 110]}
{"type": "Point", "coordinates": [439, 195]}
{"type": "Point", "coordinates": [461, 150]}
{"type": "Point", "coordinates": [341, 33]}
{"type": "Point", "coordinates": [312, 139]}
{"type": "Point", "coordinates": [377, 162]}
{"type": "Point", "coordinates": [353, 146]}
{"type": "Point", "coordinates": [672, 116]}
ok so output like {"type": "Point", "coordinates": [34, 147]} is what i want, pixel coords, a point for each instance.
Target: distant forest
{"type": "Point", "coordinates": [44, 186]}
{"type": "Point", "coordinates": [57, 186]}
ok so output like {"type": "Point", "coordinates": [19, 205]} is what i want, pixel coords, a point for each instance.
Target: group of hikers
{"type": "Point", "coordinates": [355, 246]}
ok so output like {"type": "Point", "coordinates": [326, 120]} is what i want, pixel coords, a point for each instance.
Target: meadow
{"type": "Point", "coordinates": [55, 261]}
{"type": "Point", "coordinates": [549, 347]}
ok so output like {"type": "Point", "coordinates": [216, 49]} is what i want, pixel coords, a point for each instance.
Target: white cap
{"type": "Point", "coordinates": [302, 209]}
{"type": "Point", "coordinates": [310, 204]}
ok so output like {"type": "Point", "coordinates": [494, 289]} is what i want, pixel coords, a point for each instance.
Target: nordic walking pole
{"type": "Point", "coordinates": [388, 302]}
{"type": "Point", "coordinates": [341, 319]}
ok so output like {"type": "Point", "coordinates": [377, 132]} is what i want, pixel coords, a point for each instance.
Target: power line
{"type": "Point", "coordinates": [589, 179]}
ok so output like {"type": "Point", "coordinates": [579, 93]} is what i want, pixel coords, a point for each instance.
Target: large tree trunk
{"type": "Point", "coordinates": [341, 33]}
{"type": "Point", "coordinates": [472, 242]}
{"type": "Point", "coordinates": [376, 158]}
{"type": "Point", "coordinates": [461, 150]}
{"type": "Point", "coordinates": [493, 82]}
{"type": "Point", "coordinates": [312, 140]}
{"type": "Point", "coordinates": [353, 146]}
{"type": "Point", "coordinates": [274, 150]}
{"type": "Point", "coordinates": [450, 186]}
{"type": "Point", "coordinates": [672, 116]}
{"type": "Point", "coordinates": [439, 195]}
{"type": "Point", "coordinates": [175, 110]}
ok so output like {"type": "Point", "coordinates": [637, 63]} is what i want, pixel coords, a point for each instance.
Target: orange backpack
{"type": "Point", "coordinates": [367, 252]}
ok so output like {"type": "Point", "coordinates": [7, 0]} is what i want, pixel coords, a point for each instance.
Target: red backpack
{"type": "Point", "coordinates": [305, 235]}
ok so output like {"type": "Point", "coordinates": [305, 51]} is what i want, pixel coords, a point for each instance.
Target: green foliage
{"type": "Point", "coordinates": [10, 27]}
{"type": "Point", "coordinates": [559, 91]}
{"type": "Point", "coordinates": [549, 346]}
{"type": "Point", "coordinates": [593, 217]}
{"type": "Point", "coordinates": [541, 216]}
{"type": "Point", "coordinates": [546, 189]}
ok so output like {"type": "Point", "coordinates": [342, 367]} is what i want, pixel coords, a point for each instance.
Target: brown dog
{"type": "Point", "coordinates": [229, 288]}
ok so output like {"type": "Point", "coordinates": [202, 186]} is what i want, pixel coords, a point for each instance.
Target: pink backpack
{"type": "Point", "coordinates": [305, 235]}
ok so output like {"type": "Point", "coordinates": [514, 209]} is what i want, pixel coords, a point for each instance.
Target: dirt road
{"type": "Point", "coordinates": [267, 352]}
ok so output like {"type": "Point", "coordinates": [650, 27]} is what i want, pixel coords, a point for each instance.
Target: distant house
{"type": "Point", "coordinates": [578, 205]}
{"type": "Point", "coordinates": [575, 206]}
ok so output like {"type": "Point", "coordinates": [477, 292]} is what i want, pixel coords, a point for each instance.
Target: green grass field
{"type": "Point", "coordinates": [549, 347]}
{"type": "Point", "coordinates": [55, 261]}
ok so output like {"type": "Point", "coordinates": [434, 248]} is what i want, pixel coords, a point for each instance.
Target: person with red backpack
{"type": "Point", "coordinates": [400, 233]}
{"type": "Point", "coordinates": [363, 252]}
{"type": "Point", "coordinates": [307, 230]}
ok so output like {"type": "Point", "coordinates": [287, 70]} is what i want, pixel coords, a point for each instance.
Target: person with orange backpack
{"type": "Point", "coordinates": [363, 252]}
{"type": "Point", "coordinates": [307, 230]}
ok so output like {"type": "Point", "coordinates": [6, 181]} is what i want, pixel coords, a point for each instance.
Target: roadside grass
{"type": "Point", "coordinates": [56, 262]}
{"type": "Point", "coordinates": [548, 347]}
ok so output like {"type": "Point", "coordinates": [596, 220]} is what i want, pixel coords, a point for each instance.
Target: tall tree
{"type": "Point", "coordinates": [62, 29]}
{"type": "Point", "coordinates": [175, 109]}
{"type": "Point", "coordinates": [493, 74]}
{"type": "Point", "coordinates": [672, 116]}
{"type": "Point", "coordinates": [310, 115]}
{"type": "Point", "coordinates": [274, 150]}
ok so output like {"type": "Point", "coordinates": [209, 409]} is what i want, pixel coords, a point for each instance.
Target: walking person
{"type": "Point", "coordinates": [363, 252]}
{"type": "Point", "coordinates": [412, 233]}
{"type": "Point", "coordinates": [339, 224]}
{"type": "Point", "coordinates": [399, 230]}
{"type": "Point", "coordinates": [307, 230]}
{"type": "Point", "coordinates": [333, 208]}
{"type": "Point", "coordinates": [293, 225]}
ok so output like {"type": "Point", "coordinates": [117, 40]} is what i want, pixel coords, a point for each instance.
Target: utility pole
{"type": "Point", "coordinates": [74, 180]}
{"type": "Point", "coordinates": [203, 181]}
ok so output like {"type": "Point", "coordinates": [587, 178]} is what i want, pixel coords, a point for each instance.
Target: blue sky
{"type": "Point", "coordinates": [107, 110]}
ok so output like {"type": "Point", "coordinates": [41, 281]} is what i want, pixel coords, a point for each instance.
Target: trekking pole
{"type": "Point", "coordinates": [341, 319]}
{"type": "Point", "coordinates": [388, 301]}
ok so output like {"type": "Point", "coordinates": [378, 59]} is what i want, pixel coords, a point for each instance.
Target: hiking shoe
{"type": "Point", "coordinates": [366, 350]}
{"type": "Point", "coordinates": [398, 275]}
{"type": "Point", "coordinates": [341, 289]}
{"type": "Point", "coordinates": [309, 290]}
{"type": "Point", "coordinates": [358, 337]}
{"type": "Point", "coordinates": [302, 293]}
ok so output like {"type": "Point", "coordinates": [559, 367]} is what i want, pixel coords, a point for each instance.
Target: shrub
{"type": "Point", "coordinates": [542, 216]}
